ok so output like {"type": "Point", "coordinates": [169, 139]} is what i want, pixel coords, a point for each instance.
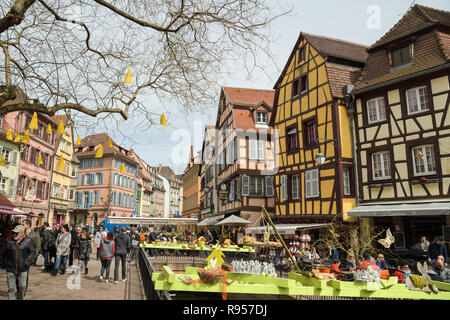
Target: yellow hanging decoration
{"type": "Point", "coordinates": [99, 153]}
{"type": "Point", "coordinates": [128, 77]}
{"type": "Point", "coordinates": [49, 129]}
{"type": "Point", "coordinates": [40, 162]}
{"type": "Point", "coordinates": [60, 127]}
{"type": "Point", "coordinates": [17, 138]}
{"type": "Point", "coordinates": [109, 144]}
{"type": "Point", "coordinates": [33, 122]}
{"type": "Point", "coordinates": [9, 135]}
{"type": "Point", "coordinates": [26, 137]}
{"type": "Point", "coordinates": [78, 141]}
{"type": "Point", "coordinates": [2, 160]}
{"type": "Point", "coordinates": [122, 168]}
{"type": "Point", "coordinates": [163, 121]}
{"type": "Point", "coordinates": [61, 164]}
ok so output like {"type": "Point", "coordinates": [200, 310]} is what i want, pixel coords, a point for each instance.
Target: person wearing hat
{"type": "Point", "coordinates": [18, 253]}
{"type": "Point", "coordinates": [62, 249]}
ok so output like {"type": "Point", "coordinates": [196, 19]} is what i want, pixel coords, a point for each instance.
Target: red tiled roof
{"type": "Point", "coordinates": [340, 75]}
{"type": "Point", "coordinates": [244, 120]}
{"type": "Point", "coordinates": [417, 18]}
{"type": "Point", "coordinates": [249, 97]}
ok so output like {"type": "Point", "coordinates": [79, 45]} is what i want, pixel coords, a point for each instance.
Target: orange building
{"type": "Point", "coordinates": [191, 187]}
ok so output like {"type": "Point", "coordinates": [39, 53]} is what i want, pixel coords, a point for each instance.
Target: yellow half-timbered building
{"type": "Point", "coordinates": [311, 120]}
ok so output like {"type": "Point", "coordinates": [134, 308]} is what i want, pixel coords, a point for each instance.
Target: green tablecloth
{"type": "Point", "coordinates": [182, 246]}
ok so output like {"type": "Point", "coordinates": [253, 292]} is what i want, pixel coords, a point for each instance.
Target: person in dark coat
{"type": "Point", "coordinates": [437, 248]}
{"type": "Point", "coordinates": [18, 252]}
{"type": "Point", "coordinates": [107, 250]}
{"type": "Point", "coordinates": [152, 237]}
{"type": "Point", "coordinates": [84, 251]}
{"type": "Point", "coordinates": [74, 243]}
{"type": "Point", "coordinates": [123, 245]}
{"type": "Point", "coordinates": [47, 242]}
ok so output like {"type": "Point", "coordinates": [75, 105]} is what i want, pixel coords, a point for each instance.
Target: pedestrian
{"type": "Point", "coordinates": [107, 251]}
{"type": "Point", "coordinates": [209, 237]}
{"type": "Point", "coordinates": [62, 249]}
{"type": "Point", "coordinates": [18, 252]}
{"type": "Point", "coordinates": [47, 242]}
{"type": "Point", "coordinates": [381, 263]}
{"type": "Point", "coordinates": [151, 237]}
{"type": "Point", "coordinates": [84, 251]}
{"type": "Point", "coordinates": [74, 243]}
{"type": "Point", "coordinates": [435, 249]}
{"type": "Point", "coordinates": [122, 247]}
{"type": "Point", "coordinates": [99, 235]}
{"type": "Point", "coordinates": [34, 236]}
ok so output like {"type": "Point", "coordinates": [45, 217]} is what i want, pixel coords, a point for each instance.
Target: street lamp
{"type": "Point", "coordinates": [320, 157]}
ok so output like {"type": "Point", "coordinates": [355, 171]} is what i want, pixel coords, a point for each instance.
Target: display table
{"type": "Point", "coordinates": [184, 246]}
{"type": "Point", "coordinates": [295, 284]}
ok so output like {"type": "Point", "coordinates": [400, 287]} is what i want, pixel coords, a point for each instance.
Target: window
{"type": "Point", "coordinates": [3, 184]}
{"type": "Point", "coordinates": [312, 183]}
{"type": "Point", "coordinates": [401, 56]}
{"type": "Point", "coordinates": [269, 186]}
{"type": "Point", "coordinates": [417, 100]}
{"type": "Point", "coordinates": [291, 139]}
{"type": "Point", "coordinates": [231, 193]}
{"type": "Point", "coordinates": [381, 165]}
{"type": "Point", "coordinates": [376, 110]}
{"type": "Point", "coordinates": [235, 152]}
{"type": "Point", "coordinates": [295, 88]}
{"type": "Point", "coordinates": [301, 53]}
{"type": "Point", "coordinates": [96, 197]}
{"type": "Point", "coordinates": [11, 188]}
{"type": "Point", "coordinates": [71, 194]}
{"type": "Point", "coordinates": [86, 200]}
{"type": "Point", "coordinates": [424, 160]}
{"type": "Point", "coordinates": [74, 170]}
{"type": "Point", "coordinates": [284, 194]}
{"type": "Point", "coordinates": [256, 186]}
{"type": "Point", "coordinates": [310, 132]}
{"type": "Point", "coordinates": [256, 149]}
{"type": "Point", "coordinates": [261, 117]}
{"type": "Point", "coordinates": [346, 176]}
{"type": "Point", "coordinates": [295, 193]}
{"type": "Point", "coordinates": [6, 152]}
{"type": "Point", "coordinates": [303, 84]}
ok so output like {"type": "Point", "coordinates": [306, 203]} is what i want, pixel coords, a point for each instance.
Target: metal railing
{"type": "Point", "coordinates": [146, 269]}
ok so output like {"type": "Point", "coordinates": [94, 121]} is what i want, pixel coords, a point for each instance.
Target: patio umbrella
{"type": "Point", "coordinates": [233, 220]}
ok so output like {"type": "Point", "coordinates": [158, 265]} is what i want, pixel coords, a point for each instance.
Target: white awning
{"type": "Point", "coordinates": [286, 228]}
{"type": "Point", "coordinates": [151, 220]}
{"type": "Point", "coordinates": [209, 221]}
{"type": "Point", "coordinates": [404, 209]}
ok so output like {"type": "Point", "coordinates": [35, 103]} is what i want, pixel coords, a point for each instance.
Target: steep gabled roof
{"type": "Point", "coordinates": [249, 97]}
{"type": "Point", "coordinates": [416, 19]}
{"type": "Point", "coordinates": [97, 139]}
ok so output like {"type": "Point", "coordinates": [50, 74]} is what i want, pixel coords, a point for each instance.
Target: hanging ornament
{"type": "Point", "coordinates": [49, 129]}
{"type": "Point", "coordinates": [61, 164]}
{"type": "Point", "coordinates": [17, 138]}
{"type": "Point", "coordinates": [163, 121]}
{"type": "Point", "coordinates": [9, 135]}
{"type": "Point", "coordinates": [109, 144]}
{"type": "Point", "coordinates": [128, 77]}
{"type": "Point", "coordinates": [78, 141]}
{"type": "Point", "coordinates": [60, 127]}
{"type": "Point", "coordinates": [33, 122]}
{"type": "Point", "coordinates": [40, 162]}
{"type": "Point", "coordinates": [122, 168]}
{"type": "Point", "coordinates": [26, 137]}
{"type": "Point", "coordinates": [99, 153]}
{"type": "Point", "coordinates": [419, 155]}
{"type": "Point", "coordinates": [2, 160]}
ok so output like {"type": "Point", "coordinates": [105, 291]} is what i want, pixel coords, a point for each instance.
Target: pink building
{"type": "Point", "coordinates": [102, 190]}
{"type": "Point", "coordinates": [34, 180]}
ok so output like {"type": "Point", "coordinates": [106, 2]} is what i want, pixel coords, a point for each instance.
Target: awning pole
{"type": "Point", "coordinates": [281, 239]}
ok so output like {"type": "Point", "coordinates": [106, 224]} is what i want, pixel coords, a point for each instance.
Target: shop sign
{"type": "Point", "coordinates": [223, 192]}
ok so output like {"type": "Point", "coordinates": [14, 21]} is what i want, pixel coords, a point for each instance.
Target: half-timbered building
{"type": "Point", "coordinates": [314, 182]}
{"type": "Point", "coordinates": [402, 128]}
{"type": "Point", "coordinates": [244, 153]}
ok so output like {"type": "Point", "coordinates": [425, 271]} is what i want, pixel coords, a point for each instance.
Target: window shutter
{"type": "Point", "coordinates": [253, 150]}
{"type": "Point", "coordinates": [261, 151]}
{"type": "Point", "coordinates": [90, 198]}
{"type": "Point", "coordinates": [284, 193]}
{"type": "Point", "coordinates": [101, 178]}
{"type": "Point", "coordinates": [269, 186]}
{"type": "Point", "coordinates": [95, 163]}
{"type": "Point", "coordinates": [231, 195]}
{"type": "Point", "coordinates": [82, 179]}
{"type": "Point", "coordinates": [14, 158]}
{"type": "Point", "coordinates": [11, 187]}
{"type": "Point", "coordinates": [101, 163]}
{"type": "Point", "coordinates": [78, 179]}
{"type": "Point", "coordinates": [96, 197]}
{"type": "Point", "coordinates": [245, 185]}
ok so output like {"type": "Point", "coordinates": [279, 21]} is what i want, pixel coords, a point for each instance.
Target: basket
{"type": "Point", "coordinates": [324, 270]}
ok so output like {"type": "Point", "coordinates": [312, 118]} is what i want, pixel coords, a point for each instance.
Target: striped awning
{"type": "Point", "coordinates": [403, 209]}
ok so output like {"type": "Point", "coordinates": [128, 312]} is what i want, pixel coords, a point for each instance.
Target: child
{"type": "Point", "coordinates": [84, 251]}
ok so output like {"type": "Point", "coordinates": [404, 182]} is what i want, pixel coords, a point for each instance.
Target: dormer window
{"type": "Point", "coordinates": [401, 57]}
{"type": "Point", "coordinates": [301, 53]}
{"type": "Point", "coordinates": [261, 117]}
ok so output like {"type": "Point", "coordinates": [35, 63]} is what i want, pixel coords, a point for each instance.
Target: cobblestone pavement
{"type": "Point", "coordinates": [44, 286]}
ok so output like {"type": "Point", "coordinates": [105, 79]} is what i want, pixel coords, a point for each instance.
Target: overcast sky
{"type": "Point", "coordinates": [344, 19]}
